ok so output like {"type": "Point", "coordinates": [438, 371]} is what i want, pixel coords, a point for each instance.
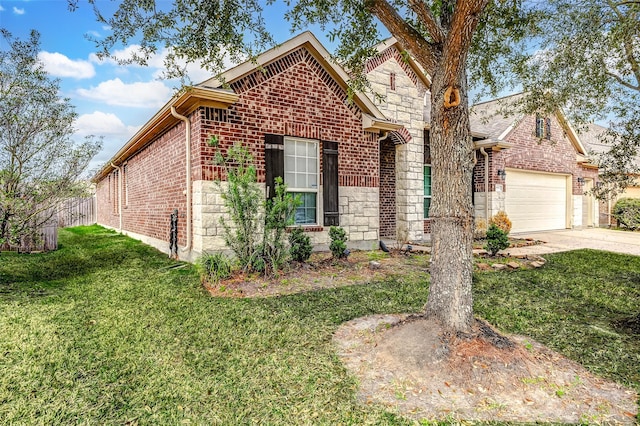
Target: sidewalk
{"type": "Point", "coordinates": [624, 242]}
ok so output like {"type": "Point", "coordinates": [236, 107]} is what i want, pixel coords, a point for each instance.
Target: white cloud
{"type": "Point", "coordinates": [18, 11]}
{"type": "Point", "coordinates": [94, 34]}
{"type": "Point", "coordinates": [196, 72]}
{"type": "Point", "coordinates": [152, 94]}
{"type": "Point", "coordinates": [60, 65]}
{"type": "Point", "coordinates": [1, 8]}
{"type": "Point", "coordinates": [103, 124]}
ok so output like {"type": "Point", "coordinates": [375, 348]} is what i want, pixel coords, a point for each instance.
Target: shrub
{"type": "Point", "coordinates": [338, 244]}
{"type": "Point", "coordinates": [300, 245]}
{"type": "Point", "coordinates": [627, 212]}
{"type": "Point", "coordinates": [480, 229]}
{"type": "Point", "coordinates": [497, 240]}
{"type": "Point", "coordinates": [242, 199]}
{"type": "Point", "coordinates": [279, 213]}
{"type": "Point", "coordinates": [214, 267]}
{"type": "Point", "coordinates": [249, 212]}
{"type": "Point", "coordinates": [501, 220]}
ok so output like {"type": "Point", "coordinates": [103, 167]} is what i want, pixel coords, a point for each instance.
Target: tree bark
{"type": "Point", "coordinates": [450, 299]}
{"type": "Point", "coordinates": [444, 58]}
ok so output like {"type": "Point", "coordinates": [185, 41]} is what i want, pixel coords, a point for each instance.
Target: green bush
{"type": "Point", "coordinates": [279, 213]}
{"type": "Point", "coordinates": [300, 245]}
{"type": "Point", "coordinates": [214, 267]}
{"type": "Point", "coordinates": [338, 244]}
{"type": "Point", "coordinates": [627, 212]}
{"type": "Point", "coordinates": [497, 240]}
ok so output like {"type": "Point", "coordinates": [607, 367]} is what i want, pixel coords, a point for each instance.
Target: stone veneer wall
{"type": "Point", "coordinates": [358, 216]}
{"type": "Point", "coordinates": [403, 104]}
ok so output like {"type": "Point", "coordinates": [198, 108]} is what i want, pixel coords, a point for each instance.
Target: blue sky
{"type": "Point", "coordinates": [111, 100]}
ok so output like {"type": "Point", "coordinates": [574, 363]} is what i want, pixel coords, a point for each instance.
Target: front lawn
{"type": "Point", "coordinates": [108, 331]}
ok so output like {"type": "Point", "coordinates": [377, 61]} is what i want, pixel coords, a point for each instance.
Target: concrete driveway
{"type": "Point", "coordinates": [594, 238]}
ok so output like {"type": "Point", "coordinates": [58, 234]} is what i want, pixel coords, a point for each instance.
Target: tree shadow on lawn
{"type": "Point", "coordinates": [84, 252]}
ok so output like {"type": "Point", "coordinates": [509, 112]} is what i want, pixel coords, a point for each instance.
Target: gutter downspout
{"type": "Point", "coordinates": [119, 169]}
{"type": "Point", "coordinates": [486, 183]}
{"type": "Point", "coordinates": [383, 137]}
{"type": "Point", "coordinates": [187, 247]}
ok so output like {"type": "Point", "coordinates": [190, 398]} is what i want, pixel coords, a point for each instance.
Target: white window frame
{"type": "Point", "coordinates": [293, 189]}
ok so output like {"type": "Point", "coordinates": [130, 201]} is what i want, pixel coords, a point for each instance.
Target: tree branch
{"type": "Point", "coordinates": [628, 50]}
{"type": "Point", "coordinates": [436, 31]}
{"type": "Point", "coordinates": [463, 25]}
{"type": "Point", "coordinates": [425, 53]}
{"type": "Point", "coordinates": [622, 82]}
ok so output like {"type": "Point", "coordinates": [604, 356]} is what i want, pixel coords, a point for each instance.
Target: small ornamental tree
{"type": "Point", "coordinates": [242, 199]}
{"type": "Point", "coordinates": [40, 165]}
{"type": "Point", "coordinates": [278, 215]}
{"type": "Point", "coordinates": [255, 230]}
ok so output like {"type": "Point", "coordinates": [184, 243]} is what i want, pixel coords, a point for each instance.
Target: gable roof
{"type": "Point", "coordinates": [317, 50]}
{"type": "Point", "coordinates": [213, 92]}
{"type": "Point", "coordinates": [497, 118]}
{"type": "Point", "coordinates": [591, 135]}
{"type": "Point", "coordinates": [408, 60]}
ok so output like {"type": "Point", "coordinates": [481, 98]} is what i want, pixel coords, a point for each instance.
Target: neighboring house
{"type": "Point", "coordinates": [356, 163]}
{"type": "Point", "coordinates": [534, 168]}
{"type": "Point", "coordinates": [591, 137]}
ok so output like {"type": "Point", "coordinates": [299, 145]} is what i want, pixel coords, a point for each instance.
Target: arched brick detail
{"type": "Point", "coordinates": [400, 137]}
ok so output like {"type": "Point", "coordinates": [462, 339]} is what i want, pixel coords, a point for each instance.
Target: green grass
{"type": "Point", "coordinates": [575, 305]}
{"type": "Point", "coordinates": [108, 331]}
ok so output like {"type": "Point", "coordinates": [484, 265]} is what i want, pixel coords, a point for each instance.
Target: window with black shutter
{"type": "Point", "coordinates": [547, 128]}
{"type": "Point", "coordinates": [273, 161]}
{"type": "Point", "coordinates": [539, 126]}
{"type": "Point", "coordinates": [330, 183]}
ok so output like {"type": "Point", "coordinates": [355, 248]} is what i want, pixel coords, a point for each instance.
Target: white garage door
{"type": "Point", "coordinates": [536, 201]}
{"type": "Point", "coordinates": [631, 192]}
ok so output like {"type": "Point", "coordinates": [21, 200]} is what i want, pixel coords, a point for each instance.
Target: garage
{"type": "Point", "coordinates": [536, 201]}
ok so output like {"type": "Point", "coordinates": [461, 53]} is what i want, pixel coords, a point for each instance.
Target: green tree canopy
{"type": "Point", "coordinates": [585, 59]}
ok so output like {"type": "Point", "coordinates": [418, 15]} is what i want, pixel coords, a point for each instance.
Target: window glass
{"type": "Point", "coordinates": [301, 176]}
{"type": "Point", "coordinates": [427, 190]}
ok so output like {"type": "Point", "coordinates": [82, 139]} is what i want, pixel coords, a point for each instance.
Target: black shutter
{"type": "Point", "coordinates": [547, 128]}
{"type": "Point", "coordinates": [539, 126]}
{"type": "Point", "coordinates": [330, 183]}
{"type": "Point", "coordinates": [273, 161]}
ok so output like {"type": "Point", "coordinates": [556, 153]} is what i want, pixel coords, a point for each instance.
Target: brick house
{"type": "Point", "coordinates": [294, 115]}
{"type": "Point", "coordinates": [533, 167]}
{"type": "Point", "coordinates": [360, 164]}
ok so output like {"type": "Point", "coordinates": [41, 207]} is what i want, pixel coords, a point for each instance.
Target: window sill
{"type": "Point", "coordinates": [307, 228]}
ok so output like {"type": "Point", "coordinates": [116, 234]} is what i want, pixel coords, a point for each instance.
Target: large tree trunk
{"type": "Point", "coordinates": [450, 300]}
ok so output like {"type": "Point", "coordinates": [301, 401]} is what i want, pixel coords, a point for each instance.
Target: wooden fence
{"type": "Point", "coordinates": [77, 212]}
{"type": "Point", "coordinates": [72, 212]}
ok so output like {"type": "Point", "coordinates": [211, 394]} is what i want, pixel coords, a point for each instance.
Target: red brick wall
{"type": "Point", "coordinates": [531, 153]}
{"type": "Point", "coordinates": [295, 96]}
{"type": "Point", "coordinates": [155, 183]}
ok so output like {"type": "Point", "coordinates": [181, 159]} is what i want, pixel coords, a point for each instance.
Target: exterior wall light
{"type": "Point", "coordinates": [502, 174]}
{"type": "Point", "coordinates": [580, 181]}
